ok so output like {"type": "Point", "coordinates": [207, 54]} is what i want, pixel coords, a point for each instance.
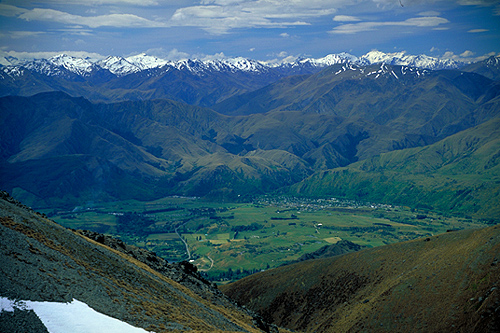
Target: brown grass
{"type": "Point", "coordinates": [423, 285]}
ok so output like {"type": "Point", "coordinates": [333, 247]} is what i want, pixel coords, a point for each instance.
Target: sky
{"type": "Point", "coordinates": [266, 30]}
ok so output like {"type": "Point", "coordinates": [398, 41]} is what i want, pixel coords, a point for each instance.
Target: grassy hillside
{"type": "Point", "coordinates": [443, 283]}
{"type": "Point", "coordinates": [459, 174]}
{"type": "Point", "coordinates": [43, 261]}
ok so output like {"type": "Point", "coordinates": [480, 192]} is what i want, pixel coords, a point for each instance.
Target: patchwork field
{"type": "Point", "coordinates": [230, 240]}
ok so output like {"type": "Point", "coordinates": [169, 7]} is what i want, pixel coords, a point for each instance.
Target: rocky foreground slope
{"type": "Point", "coordinates": [43, 261]}
{"type": "Point", "coordinates": [445, 283]}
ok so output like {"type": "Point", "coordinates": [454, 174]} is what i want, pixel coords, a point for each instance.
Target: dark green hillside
{"type": "Point", "coordinates": [158, 83]}
{"type": "Point", "coordinates": [59, 150]}
{"type": "Point", "coordinates": [28, 82]}
{"type": "Point", "coordinates": [445, 283]}
{"type": "Point", "coordinates": [413, 101]}
{"type": "Point", "coordinates": [458, 174]}
{"type": "Point", "coordinates": [184, 86]}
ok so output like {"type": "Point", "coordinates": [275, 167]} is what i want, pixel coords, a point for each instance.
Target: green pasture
{"type": "Point", "coordinates": [281, 232]}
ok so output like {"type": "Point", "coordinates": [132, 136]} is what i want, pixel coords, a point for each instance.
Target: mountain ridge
{"type": "Point", "coordinates": [122, 66]}
{"type": "Point", "coordinates": [193, 81]}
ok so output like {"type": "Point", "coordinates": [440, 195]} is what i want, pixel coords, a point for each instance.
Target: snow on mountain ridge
{"type": "Point", "coordinates": [401, 58]}
{"type": "Point", "coordinates": [333, 59]}
{"type": "Point", "coordinates": [60, 65]}
{"type": "Point", "coordinates": [78, 66]}
{"type": "Point", "coordinates": [244, 64]}
{"type": "Point", "coordinates": [144, 61]}
{"type": "Point", "coordinates": [119, 66]}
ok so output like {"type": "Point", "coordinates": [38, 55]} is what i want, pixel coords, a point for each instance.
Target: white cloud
{"type": "Point", "coordinates": [478, 30]}
{"type": "Point", "coordinates": [429, 13]}
{"type": "Point", "coordinates": [284, 35]}
{"type": "Point", "coordinates": [345, 18]}
{"type": "Point", "coordinates": [208, 57]}
{"type": "Point", "coordinates": [45, 55]}
{"type": "Point", "coordinates": [483, 3]}
{"type": "Point", "coordinates": [108, 2]}
{"type": "Point", "coordinates": [21, 34]}
{"type": "Point", "coordinates": [173, 54]}
{"type": "Point", "coordinates": [478, 2]}
{"type": "Point", "coordinates": [111, 20]}
{"type": "Point", "coordinates": [431, 21]}
{"type": "Point", "coordinates": [10, 11]}
{"type": "Point", "coordinates": [281, 57]}
{"type": "Point", "coordinates": [467, 56]}
{"type": "Point", "coordinates": [220, 2]}
{"type": "Point", "coordinates": [220, 16]}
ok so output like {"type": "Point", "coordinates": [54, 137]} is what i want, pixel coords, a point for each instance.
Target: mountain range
{"type": "Point", "coordinates": [150, 133]}
{"type": "Point", "coordinates": [121, 66]}
{"type": "Point", "coordinates": [197, 82]}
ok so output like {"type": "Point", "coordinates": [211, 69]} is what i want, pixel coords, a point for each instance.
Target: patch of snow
{"type": "Point", "coordinates": [118, 66]}
{"type": "Point", "coordinates": [13, 71]}
{"type": "Point", "coordinates": [401, 58]}
{"type": "Point", "coordinates": [75, 317]}
{"type": "Point", "coordinates": [75, 65]}
{"type": "Point", "coordinates": [144, 61]}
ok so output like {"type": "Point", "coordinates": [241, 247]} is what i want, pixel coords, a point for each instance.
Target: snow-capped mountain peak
{"type": "Point", "coordinates": [401, 58]}
{"type": "Point", "coordinates": [67, 65]}
{"type": "Point", "coordinates": [144, 61]}
{"type": "Point", "coordinates": [78, 66]}
{"type": "Point", "coordinates": [338, 58]}
{"type": "Point", "coordinates": [493, 61]}
{"type": "Point", "coordinates": [118, 66]}
{"type": "Point", "coordinates": [244, 64]}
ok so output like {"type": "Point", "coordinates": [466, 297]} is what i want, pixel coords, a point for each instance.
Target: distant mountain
{"type": "Point", "coordinates": [459, 174]}
{"type": "Point", "coordinates": [425, 105]}
{"type": "Point", "coordinates": [150, 149]}
{"type": "Point", "coordinates": [192, 81]}
{"type": "Point", "coordinates": [444, 283]}
{"type": "Point", "coordinates": [44, 262]}
{"type": "Point", "coordinates": [403, 59]}
{"type": "Point", "coordinates": [489, 68]}
{"type": "Point", "coordinates": [123, 66]}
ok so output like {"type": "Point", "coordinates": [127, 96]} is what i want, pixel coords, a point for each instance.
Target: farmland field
{"type": "Point", "coordinates": [246, 237]}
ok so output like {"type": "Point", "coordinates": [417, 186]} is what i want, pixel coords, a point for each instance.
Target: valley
{"type": "Point", "coordinates": [227, 241]}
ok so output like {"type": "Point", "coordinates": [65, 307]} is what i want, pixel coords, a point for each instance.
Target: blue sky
{"type": "Point", "coordinates": [257, 29]}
